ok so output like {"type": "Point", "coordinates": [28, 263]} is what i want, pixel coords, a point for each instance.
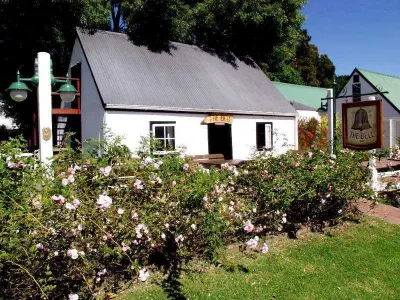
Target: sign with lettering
{"type": "Point", "coordinates": [363, 125]}
{"type": "Point", "coordinates": [218, 119]}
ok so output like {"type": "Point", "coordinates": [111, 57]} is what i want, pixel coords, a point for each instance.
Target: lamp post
{"type": "Point", "coordinates": [44, 80]}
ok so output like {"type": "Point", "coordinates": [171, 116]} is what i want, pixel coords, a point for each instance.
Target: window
{"type": "Point", "coordinates": [264, 136]}
{"type": "Point", "coordinates": [356, 88]}
{"type": "Point", "coordinates": [164, 132]}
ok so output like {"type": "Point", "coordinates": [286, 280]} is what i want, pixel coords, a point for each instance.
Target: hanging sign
{"type": "Point", "coordinates": [363, 125]}
{"type": "Point", "coordinates": [218, 119]}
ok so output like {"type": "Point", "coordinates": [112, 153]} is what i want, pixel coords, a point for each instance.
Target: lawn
{"type": "Point", "coordinates": [353, 261]}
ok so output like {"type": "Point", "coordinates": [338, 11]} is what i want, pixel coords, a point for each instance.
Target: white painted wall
{"type": "Point", "coordinates": [244, 134]}
{"type": "Point", "coordinates": [92, 112]}
{"type": "Point", "coordinates": [389, 111]}
{"type": "Point", "coordinates": [190, 133]}
{"type": "Point", "coordinates": [308, 114]}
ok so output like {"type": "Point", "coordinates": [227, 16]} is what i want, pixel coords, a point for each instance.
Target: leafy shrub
{"type": "Point", "coordinates": [295, 188]}
{"type": "Point", "coordinates": [89, 224]}
{"type": "Point", "coordinates": [313, 134]}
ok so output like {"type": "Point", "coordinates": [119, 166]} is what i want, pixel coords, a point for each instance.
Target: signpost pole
{"type": "Point", "coordinates": [334, 116]}
{"type": "Point", "coordinates": [331, 135]}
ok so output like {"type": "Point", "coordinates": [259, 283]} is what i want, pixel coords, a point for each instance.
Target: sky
{"type": "Point", "coordinates": [356, 33]}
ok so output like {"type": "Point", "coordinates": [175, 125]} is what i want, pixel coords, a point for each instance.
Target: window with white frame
{"type": "Point", "coordinates": [164, 132]}
{"type": "Point", "coordinates": [264, 135]}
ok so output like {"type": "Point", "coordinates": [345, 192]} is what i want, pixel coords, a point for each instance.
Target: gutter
{"type": "Point", "coordinates": [117, 107]}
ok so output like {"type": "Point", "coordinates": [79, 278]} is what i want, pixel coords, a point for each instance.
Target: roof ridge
{"type": "Point", "coordinates": [379, 73]}
{"type": "Point", "coordinates": [300, 85]}
{"type": "Point", "coordinates": [82, 30]}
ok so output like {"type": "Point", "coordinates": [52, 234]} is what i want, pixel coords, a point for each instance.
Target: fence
{"type": "Point", "coordinates": [391, 131]}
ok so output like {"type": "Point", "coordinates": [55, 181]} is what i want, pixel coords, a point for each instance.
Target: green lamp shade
{"type": "Point", "coordinates": [67, 92]}
{"type": "Point", "coordinates": [18, 91]}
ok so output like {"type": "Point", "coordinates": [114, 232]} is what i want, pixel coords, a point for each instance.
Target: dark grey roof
{"type": "Point", "coordinates": [185, 79]}
{"type": "Point", "coordinates": [299, 106]}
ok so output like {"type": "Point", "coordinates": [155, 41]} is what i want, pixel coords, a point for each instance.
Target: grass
{"type": "Point", "coordinates": [353, 261]}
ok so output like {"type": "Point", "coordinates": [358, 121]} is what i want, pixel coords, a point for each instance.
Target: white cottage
{"type": "Point", "coordinates": [187, 96]}
{"type": "Point", "coordinates": [364, 82]}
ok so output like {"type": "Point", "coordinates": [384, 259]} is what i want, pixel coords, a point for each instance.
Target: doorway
{"type": "Point", "coordinates": [220, 140]}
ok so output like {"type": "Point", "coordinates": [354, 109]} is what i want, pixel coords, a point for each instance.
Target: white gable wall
{"type": "Point", "coordinates": [366, 88]}
{"type": "Point", "coordinates": [309, 114]}
{"type": "Point", "coordinates": [92, 111]}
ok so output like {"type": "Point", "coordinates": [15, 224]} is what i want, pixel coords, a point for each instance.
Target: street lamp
{"type": "Point", "coordinates": [67, 91]}
{"type": "Point", "coordinates": [45, 81]}
{"type": "Point", "coordinates": [19, 90]}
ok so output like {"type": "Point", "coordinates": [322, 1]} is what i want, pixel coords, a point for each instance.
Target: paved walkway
{"type": "Point", "coordinates": [385, 164]}
{"type": "Point", "coordinates": [381, 211]}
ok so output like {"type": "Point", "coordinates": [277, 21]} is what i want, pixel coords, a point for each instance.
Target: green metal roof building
{"type": "Point", "coordinates": [384, 82]}
{"type": "Point", "coordinates": [306, 96]}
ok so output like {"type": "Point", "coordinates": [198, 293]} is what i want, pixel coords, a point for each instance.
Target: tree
{"type": "Point", "coordinates": [315, 69]}
{"type": "Point", "coordinates": [341, 81]}
{"type": "Point", "coordinates": [326, 71]}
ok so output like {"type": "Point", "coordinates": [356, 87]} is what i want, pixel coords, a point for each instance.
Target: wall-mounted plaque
{"type": "Point", "coordinates": [363, 125]}
{"type": "Point", "coordinates": [46, 133]}
{"type": "Point", "coordinates": [218, 119]}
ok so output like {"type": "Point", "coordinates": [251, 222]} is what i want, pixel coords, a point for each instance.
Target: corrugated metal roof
{"type": "Point", "coordinates": [184, 79]}
{"type": "Point", "coordinates": [306, 95]}
{"type": "Point", "coordinates": [299, 106]}
{"type": "Point", "coordinates": [385, 82]}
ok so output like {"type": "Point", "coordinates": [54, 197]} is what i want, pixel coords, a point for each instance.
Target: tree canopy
{"type": "Point", "coordinates": [315, 69]}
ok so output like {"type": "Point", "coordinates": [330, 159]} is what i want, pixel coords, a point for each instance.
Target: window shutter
{"type": "Point", "coordinates": [268, 136]}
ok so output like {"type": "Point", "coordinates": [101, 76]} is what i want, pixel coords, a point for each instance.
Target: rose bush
{"type": "Point", "coordinates": [87, 224]}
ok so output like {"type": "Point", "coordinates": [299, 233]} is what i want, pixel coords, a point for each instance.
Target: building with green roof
{"type": "Point", "coordinates": [305, 99]}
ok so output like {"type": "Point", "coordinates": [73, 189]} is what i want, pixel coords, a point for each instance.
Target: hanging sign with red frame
{"type": "Point", "coordinates": [363, 125]}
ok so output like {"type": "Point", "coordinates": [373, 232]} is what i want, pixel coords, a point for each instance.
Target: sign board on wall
{"type": "Point", "coordinates": [218, 119]}
{"type": "Point", "coordinates": [363, 125]}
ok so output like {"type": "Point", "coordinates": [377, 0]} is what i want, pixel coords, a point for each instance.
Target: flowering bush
{"type": "Point", "coordinates": [88, 224]}
{"type": "Point", "coordinates": [313, 134]}
{"type": "Point", "coordinates": [294, 188]}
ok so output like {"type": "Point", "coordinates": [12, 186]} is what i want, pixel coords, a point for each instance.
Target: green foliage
{"type": "Point", "coordinates": [313, 134]}
{"type": "Point", "coordinates": [311, 187]}
{"type": "Point", "coordinates": [315, 69]}
{"type": "Point", "coordinates": [341, 82]}
{"type": "Point", "coordinates": [89, 223]}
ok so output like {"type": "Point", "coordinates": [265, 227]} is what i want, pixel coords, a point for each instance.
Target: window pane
{"type": "Point", "coordinates": [159, 132]}
{"type": "Point", "coordinates": [170, 131]}
{"type": "Point", "coordinates": [170, 144]}
{"type": "Point", "coordinates": [356, 91]}
{"type": "Point", "coordinates": [160, 145]}
{"type": "Point", "coordinates": [260, 131]}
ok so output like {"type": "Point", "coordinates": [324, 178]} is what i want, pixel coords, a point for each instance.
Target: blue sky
{"type": "Point", "coordinates": [356, 33]}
